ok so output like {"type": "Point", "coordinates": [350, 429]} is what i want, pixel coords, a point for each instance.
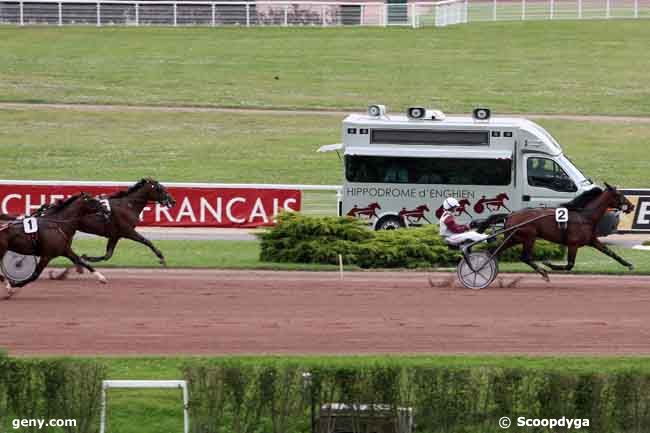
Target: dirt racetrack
{"type": "Point", "coordinates": [217, 312]}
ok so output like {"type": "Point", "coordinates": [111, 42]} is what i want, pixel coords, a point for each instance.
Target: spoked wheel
{"type": "Point", "coordinates": [17, 267]}
{"type": "Point", "coordinates": [483, 271]}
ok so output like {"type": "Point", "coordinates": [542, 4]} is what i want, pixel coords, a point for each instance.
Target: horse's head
{"type": "Point", "coordinates": [617, 199]}
{"type": "Point", "coordinates": [424, 207]}
{"type": "Point", "coordinates": [158, 193]}
{"type": "Point", "coordinates": [503, 196]}
{"type": "Point", "coordinates": [374, 205]}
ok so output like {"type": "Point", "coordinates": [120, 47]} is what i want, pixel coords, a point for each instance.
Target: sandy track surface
{"type": "Point", "coordinates": [218, 312]}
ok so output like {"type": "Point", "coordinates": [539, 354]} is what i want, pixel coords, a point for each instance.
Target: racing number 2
{"type": "Point", "coordinates": [561, 215]}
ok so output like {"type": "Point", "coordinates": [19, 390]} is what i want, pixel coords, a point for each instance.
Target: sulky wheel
{"type": "Point", "coordinates": [483, 271]}
{"type": "Point", "coordinates": [17, 267]}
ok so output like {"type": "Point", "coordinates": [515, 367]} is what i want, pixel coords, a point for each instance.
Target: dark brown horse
{"type": "Point", "coordinates": [52, 238]}
{"type": "Point", "coordinates": [124, 210]}
{"type": "Point", "coordinates": [585, 211]}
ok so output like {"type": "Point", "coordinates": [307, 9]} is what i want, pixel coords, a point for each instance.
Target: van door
{"type": "Point", "coordinates": [545, 182]}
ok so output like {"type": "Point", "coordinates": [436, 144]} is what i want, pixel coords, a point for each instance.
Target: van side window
{"type": "Point", "coordinates": [441, 171]}
{"type": "Point", "coordinates": [546, 173]}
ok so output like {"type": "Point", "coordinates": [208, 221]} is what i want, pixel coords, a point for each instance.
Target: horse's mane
{"type": "Point", "coordinates": [132, 188]}
{"type": "Point", "coordinates": [583, 199]}
{"type": "Point", "coordinates": [57, 206]}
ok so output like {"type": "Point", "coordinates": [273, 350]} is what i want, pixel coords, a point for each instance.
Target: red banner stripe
{"type": "Point", "coordinates": [195, 206]}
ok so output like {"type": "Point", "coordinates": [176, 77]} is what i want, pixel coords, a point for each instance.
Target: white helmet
{"type": "Point", "coordinates": [450, 203]}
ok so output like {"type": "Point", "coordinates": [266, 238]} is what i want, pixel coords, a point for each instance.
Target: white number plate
{"type": "Point", "coordinates": [30, 225]}
{"type": "Point", "coordinates": [561, 215]}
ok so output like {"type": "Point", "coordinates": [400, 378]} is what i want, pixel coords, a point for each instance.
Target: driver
{"type": "Point", "coordinates": [454, 233]}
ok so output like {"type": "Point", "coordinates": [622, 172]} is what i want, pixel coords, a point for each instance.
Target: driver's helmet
{"type": "Point", "coordinates": [450, 203]}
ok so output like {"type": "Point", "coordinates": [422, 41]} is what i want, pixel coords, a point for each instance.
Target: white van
{"type": "Point", "coordinates": [398, 169]}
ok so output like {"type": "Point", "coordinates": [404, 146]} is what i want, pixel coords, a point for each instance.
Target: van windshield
{"type": "Point", "coordinates": [440, 171]}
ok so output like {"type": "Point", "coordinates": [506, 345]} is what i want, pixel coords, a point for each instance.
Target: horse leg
{"type": "Point", "coordinates": [137, 237]}
{"type": "Point", "coordinates": [74, 258]}
{"type": "Point", "coordinates": [110, 248]}
{"type": "Point", "coordinates": [527, 257]}
{"type": "Point", "coordinates": [572, 251]}
{"type": "Point", "coordinates": [605, 250]}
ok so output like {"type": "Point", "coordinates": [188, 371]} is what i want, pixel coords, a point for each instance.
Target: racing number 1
{"type": "Point", "coordinates": [30, 225]}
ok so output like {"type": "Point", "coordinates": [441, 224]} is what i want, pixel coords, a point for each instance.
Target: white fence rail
{"type": "Point", "coordinates": [508, 10]}
{"type": "Point", "coordinates": [307, 13]}
{"type": "Point", "coordinates": [207, 13]}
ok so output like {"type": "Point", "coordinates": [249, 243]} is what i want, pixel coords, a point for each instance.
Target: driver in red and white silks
{"type": "Point", "coordinates": [455, 233]}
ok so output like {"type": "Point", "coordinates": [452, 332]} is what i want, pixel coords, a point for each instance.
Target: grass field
{"type": "Point", "coordinates": [241, 147]}
{"type": "Point", "coordinates": [245, 255]}
{"type": "Point", "coordinates": [569, 66]}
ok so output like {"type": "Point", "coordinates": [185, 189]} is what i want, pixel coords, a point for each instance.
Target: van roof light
{"type": "Point", "coordinates": [421, 113]}
{"type": "Point", "coordinates": [481, 113]}
{"type": "Point", "coordinates": [376, 110]}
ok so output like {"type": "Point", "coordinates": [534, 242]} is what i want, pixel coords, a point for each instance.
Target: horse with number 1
{"type": "Point", "coordinates": [124, 208]}
{"type": "Point", "coordinates": [47, 237]}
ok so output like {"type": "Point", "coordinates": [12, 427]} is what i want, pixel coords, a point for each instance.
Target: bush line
{"type": "Point", "coordinates": [301, 239]}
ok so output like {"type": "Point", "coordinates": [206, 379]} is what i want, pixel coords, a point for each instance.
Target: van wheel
{"type": "Point", "coordinates": [390, 222]}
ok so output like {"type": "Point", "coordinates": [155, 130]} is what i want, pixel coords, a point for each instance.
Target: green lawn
{"type": "Point", "coordinates": [242, 147]}
{"type": "Point", "coordinates": [245, 255]}
{"type": "Point", "coordinates": [569, 66]}
{"type": "Point", "coordinates": [186, 254]}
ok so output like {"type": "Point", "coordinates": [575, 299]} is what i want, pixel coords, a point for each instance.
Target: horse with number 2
{"type": "Point", "coordinates": [573, 224]}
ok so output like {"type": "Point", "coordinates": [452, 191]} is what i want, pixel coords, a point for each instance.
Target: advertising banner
{"type": "Point", "coordinates": [197, 205]}
{"type": "Point", "coordinates": [639, 219]}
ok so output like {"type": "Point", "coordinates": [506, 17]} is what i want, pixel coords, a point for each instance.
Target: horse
{"type": "Point", "coordinates": [370, 211]}
{"type": "Point", "coordinates": [585, 211]}
{"type": "Point", "coordinates": [124, 215]}
{"type": "Point", "coordinates": [52, 237]}
{"type": "Point", "coordinates": [492, 204]}
{"type": "Point", "coordinates": [415, 215]}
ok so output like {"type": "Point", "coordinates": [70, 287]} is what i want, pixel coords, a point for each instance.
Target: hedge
{"type": "Point", "coordinates": [48, 389]}
{"type": "Point", "coordinates": [231, 396]}
{"type": "Point", "coordinates": [300, 239]}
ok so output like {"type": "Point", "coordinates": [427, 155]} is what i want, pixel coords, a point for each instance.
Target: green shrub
{"type": "Point", "coordinates": [51, 388]}
{"type": "Point", "coordinates": [300, 239]}
{"type": "Point", "coordinates": [272, 395]}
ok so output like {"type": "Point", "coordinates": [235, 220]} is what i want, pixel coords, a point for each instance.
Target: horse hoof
{"type": "Point", "coordinates": [102, 279]}
{"type": "Point", "coordinates": [631, 267]}
{"type": "Point", "coordinates": [54, 276]}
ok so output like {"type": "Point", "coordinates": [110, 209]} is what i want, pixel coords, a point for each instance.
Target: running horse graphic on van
{"type": "Point", "coordinates": [492, 204]}
{"type": "Point", "coordinates": [463, 203]}
{"type": "Point", "coordinates": [370, 211]}
{"type": "Point", "coordinates": [416, 215]}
